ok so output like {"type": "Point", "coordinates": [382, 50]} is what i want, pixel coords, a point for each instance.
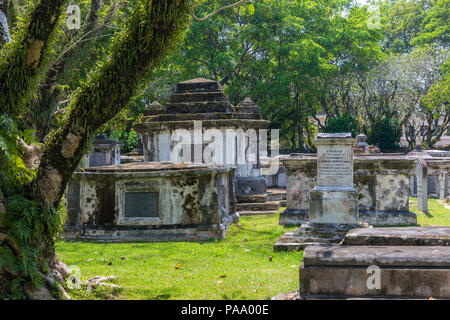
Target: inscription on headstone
{"type": "Point", "coordinates": [141, 204]}
{"type": "Point", "coordinates": [334, 199]}
{"type": "Point", "coordinates": [334, 165]}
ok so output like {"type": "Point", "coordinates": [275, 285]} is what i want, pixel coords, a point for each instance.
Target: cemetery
{"type": "Point", "coordinates": [220, 150]}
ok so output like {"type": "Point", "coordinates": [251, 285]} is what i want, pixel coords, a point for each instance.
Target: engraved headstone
{"type": "Point", "coordinates": [333, 205]}
{"type": "Point", "coordinates": [334, 199]}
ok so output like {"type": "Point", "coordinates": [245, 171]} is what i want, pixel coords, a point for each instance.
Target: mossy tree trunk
{"type": "Point", "coordinates": [152, 29]}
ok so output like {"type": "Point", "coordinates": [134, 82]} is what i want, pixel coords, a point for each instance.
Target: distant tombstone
{"type": "Point", "coordinates": [334, 199]}
{"type": "Point", "coordinates": [106, 152]}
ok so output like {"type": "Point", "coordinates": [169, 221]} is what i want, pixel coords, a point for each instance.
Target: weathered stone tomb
{"type": "Point", "coordinates": [189, 127]}
{"type": "Point", "coordinates": [333, 205]}
{"type": "Point", "coordinates": [381, 182]}
{"type": "Point", "coordinates": [161, 201]}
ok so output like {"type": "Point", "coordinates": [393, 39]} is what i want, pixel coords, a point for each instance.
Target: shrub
{"type": "Point", "coordinates": [385, 134]}
{"type": "Point", "coordinates": [129, 139]}
{"type": "Point", "coordinates": [342, 123]}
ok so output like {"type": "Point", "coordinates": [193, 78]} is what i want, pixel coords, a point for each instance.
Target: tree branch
{"type": "Point", "coordinates": [218, 10]}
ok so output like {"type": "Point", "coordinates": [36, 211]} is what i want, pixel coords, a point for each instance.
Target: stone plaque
{"type": "Point", "coordinates": [97, 159]}
{"type": "Point", "coordinates": [334, 165]}
{"type": "Point", "coordinates": [141, 204]}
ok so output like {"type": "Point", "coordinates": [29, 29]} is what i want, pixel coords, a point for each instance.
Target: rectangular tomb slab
{"type": "Point", "coordinates": [411, 236]}
{"type": "Point", "coordinates": [375, 272]}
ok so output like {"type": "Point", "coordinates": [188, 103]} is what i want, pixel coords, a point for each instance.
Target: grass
{"type": "Point", "coordinates": [237, 267]}
{"type": "Point", "coordinates": [438, 214]}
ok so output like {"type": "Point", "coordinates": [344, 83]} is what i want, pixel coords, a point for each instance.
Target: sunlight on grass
{"type": "Point", "coordinates": [438, 214]}
{"type": "Point", "coordinates": [242, 266]}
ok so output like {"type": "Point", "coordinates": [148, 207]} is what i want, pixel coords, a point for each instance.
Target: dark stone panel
{"type": "Point", "coordinates": [141, 204]}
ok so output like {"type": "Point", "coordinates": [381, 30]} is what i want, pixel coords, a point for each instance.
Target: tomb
{"type": "Point", "coordinates": [381, 182]}
{"type": "Point", "coordinates": [371, 272]}
{"type": "Point", "coordinates": [333, 205]}
{"type": "Point", "coordinates": [200, 125]}
{"type": "Point", "coordinates": [150, 201]}
{"type": "Point", "coordinates": [105, 152]}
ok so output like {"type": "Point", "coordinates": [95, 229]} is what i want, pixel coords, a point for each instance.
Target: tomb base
{"type": "Point", "coordinates": [145, 234]}
{"type": "Point", "coordinates": [377, 218]}
{"type": "Point", "coordinates": [313, 233]}
{"type": "Point", "coordinates": [334, 205]}
{"type": "Point", "coordinates": [411, 236]}
{"type": "Point", "coordinates": [361, 272]}
{"type": "Point", "coordinates": [293, 217]}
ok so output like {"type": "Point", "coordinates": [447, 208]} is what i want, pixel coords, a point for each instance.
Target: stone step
{"type": "Point", "coordinates": [310, 239]}
{"type": "Point", "coordinates": [293, 246]}
{"type": "Point", "coordinates": [345, 272]}
{"type": "Point", "coordinates": [283, 203]}
{"type": "Point", "coordinates": [325, 235]}
{"type": "Point", "coordinates": [276, 194]}
{"type": "Point", "coordinates": [252, 198]}
{"type": "Point", "coordinates": [313, 233]}
{"type": "Point", "coordinates": [410, 236]}
{"type": "Point", "coordinates": [269, 205]}
{"type": "Point", "coordinates": [198, 107]}
{"type": "Point", "coordinates": [255, 213]}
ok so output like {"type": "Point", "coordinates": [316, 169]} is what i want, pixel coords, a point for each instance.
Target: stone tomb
{"type": "Point", "coordinates": [106, 152]}
{"type": "Point", "coordinates": [150, 201]}
{"type": "Point", "coordinates": [381, 180]}
{"type": "Point", "coordinates": [334, 201]}
{"type": "Point", "coordinates": [196, 106]}
{"type": "Point", "coordinates": [397, 272]}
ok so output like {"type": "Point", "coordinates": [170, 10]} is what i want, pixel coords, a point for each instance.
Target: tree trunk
{"type": "Point", "coordinates": [153, 28]}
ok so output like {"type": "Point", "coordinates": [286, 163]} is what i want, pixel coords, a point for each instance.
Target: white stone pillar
{"type": "Point", "coordinates": [422, 186]}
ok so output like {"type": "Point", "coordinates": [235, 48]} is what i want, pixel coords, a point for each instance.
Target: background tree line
{"type": "Point", "coordinates": [381, 69]}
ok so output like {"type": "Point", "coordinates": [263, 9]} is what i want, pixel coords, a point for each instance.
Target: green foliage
{"type": "Point", "coordinates": [385, 134]}
{"type": "Point", "coordinates": [32, 228]}
{"type": "Point", "coordinates": [342, 123]}
{"type": "Point", "coordinates": [435, 27]}
{"type": "Point", "coordinates": [13, 168]}
{"type": "Point", "coordinates": [23, 60]}
{"type": "Point", "coordinates": [129, 139]}
{"type": "Point", "coordinates": [281, 54]}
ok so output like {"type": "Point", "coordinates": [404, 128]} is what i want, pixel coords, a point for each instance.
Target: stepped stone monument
{"type": "Point", "coordinates": [334, 201]}
{"type": "Point", "coordinates": [200, 107]}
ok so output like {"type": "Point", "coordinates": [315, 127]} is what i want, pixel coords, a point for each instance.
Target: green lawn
{"type": "Point", "coordinates": [438, 214]}
{"type": "Point", "coordinates": [238, 267]}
